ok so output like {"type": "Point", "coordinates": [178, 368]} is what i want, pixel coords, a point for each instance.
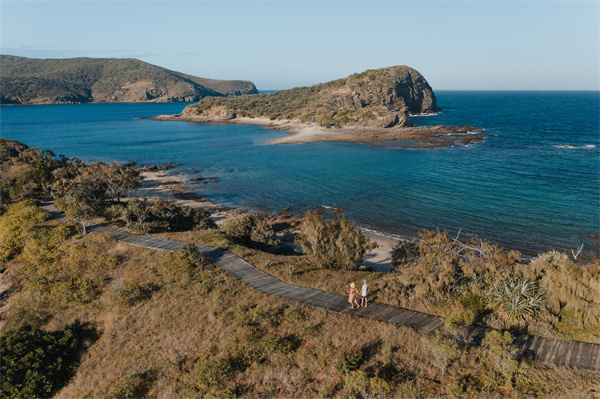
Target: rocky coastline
{"type": "Point", "coordinates": [368, 107]}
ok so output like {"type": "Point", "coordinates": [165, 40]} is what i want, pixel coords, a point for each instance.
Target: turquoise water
{"type": "Point", "coordinates": [532, 185]}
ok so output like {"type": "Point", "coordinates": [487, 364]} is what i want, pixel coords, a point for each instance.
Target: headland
{"type": "Point", "coordinates": [369, 107]}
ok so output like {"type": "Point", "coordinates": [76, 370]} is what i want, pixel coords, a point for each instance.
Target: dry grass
{"type": "Point", "coordinates": [203, 333]}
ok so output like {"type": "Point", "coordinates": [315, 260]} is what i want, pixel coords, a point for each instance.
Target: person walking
{"type": "Point", "coordinates": [363, 294]}
{"type": "Point", "coordinates": [352, 296]}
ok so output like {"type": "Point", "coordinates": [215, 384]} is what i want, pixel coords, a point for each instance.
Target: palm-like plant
{"type": "Point", "coordinates": [515, 299]}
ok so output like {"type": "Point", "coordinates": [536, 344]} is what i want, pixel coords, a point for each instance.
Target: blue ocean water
{"type": "Point", "coordinates": [533, 184]}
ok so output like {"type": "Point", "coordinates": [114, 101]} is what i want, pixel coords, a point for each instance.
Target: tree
{"type": "Point", "coordinates": [78, 206]}
{"type": "Point", "coordinates": [120, 179]}
{"type": "Point", "coordinates": [334, 244]}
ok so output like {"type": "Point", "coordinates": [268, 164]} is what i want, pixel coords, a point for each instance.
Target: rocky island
{"type": "Point", "coordinates": [372, 107]}
{"type": "Point", "coordinates": [25, 81]}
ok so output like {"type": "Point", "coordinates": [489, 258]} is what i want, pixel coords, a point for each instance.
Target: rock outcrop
{"type": "Point", "coordinates": [379, 98]}
{"type": "Point", "coordinates": [82, 80]}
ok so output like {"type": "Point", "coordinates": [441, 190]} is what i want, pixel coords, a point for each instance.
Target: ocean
{"type": "Point", "coordinates": [533, 184]}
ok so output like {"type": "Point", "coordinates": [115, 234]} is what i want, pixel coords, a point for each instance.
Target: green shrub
{"type": "Point", "coordinates": [515, 299]}
{"type": "Point", "coordinates": [133, 386]}
{"type": "Point", "coordinates": [134, 292]}
{"type": "Point", "coordinates": [360, 384]}
{"type": "Point", "coordinates": [210, 373]}
{"type": "Point", "coordinates": [36, 363]}
{"type": "Point", "coordinates": [405, 253]}
{"type": "Point", "coordinates": [250, 230]}
{"type": "Point", "coordinates": [337, 244]}
{"type": "Point", "coordinates": [158, 215]}
{"type": "Point", "coordinates": [195, 256]}
{"type": "Point", "coordinates": [350, 360]}
{"type": "Point", "coordinates": [16, 225]}
{"type": "Point", "coordinates": [445, 351]}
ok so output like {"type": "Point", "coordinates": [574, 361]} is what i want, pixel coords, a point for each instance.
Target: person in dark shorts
{"type": "Point", "coordinates": [363, 294]}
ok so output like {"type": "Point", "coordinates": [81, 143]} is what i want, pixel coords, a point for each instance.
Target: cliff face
{"type": "Point", "coordinates": [375, 98]}
{"type": "Point", "coordinates": [81, 80]}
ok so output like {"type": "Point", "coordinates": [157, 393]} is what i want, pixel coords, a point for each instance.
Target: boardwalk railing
{"type": "Point", "coordinates": [560, 352]}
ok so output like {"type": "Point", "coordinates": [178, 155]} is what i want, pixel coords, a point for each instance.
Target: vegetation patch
{"type": "Point", "coordinates": [37, 363]}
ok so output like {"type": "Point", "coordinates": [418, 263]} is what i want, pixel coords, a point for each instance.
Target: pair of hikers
{"type": "Point", "coordinates": [354, 292]}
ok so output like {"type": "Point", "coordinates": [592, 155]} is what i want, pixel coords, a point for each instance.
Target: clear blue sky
{"type": "Point", "coordinates": [541, 45]}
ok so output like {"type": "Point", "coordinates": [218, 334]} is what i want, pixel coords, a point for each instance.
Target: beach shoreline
{"type": "Point", "coordinates": [400, 136]}
{"type": "Point", "coordinates": [170, 187]}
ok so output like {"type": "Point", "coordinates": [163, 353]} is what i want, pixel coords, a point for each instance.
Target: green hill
{"type": "Point", "coordinates": [377, 98]}
{"type": "Point", "coordinates": [81, 80]}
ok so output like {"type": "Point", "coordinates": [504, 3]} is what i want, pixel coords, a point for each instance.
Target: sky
{"type": "Point", "coordinates": [456, 45]}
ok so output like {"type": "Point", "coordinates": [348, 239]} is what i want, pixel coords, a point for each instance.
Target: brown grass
{"type": "Point", "coordinates": [204, 333]}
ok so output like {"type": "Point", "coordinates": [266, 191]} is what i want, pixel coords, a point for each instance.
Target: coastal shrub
{"type": "Point", "coordinates": [336, 244]}
{"type": "Point", "coordinates": [444, 351]}
{"type": "Point", "coordinates": [120, 180]}
{"type": "Point", "coordinates": [135, 292]}
{"type": "Point", "coordinates": [37, 363]}
{"type": "Point", "coordinates": [250, 230]}
{"type": "Point", "coordinates": [159, 215]}
{"type": "Point", "coordinates": [194, 256]}
{"type": "Point", "coordinates": [20, 220]}
{"type": "Point", "coordinates": [25, 173]}
{"type": "Point", "coordinates": [78, 207]}
{"type": "Point", "coordinates": [358, 383]}
{"type": "Point", "coordinates": [56, 275]}
{"type": "Point", "coordinates": [210, 373]}
{"type": "Point", "coordinates": [574, 290]}
{"type": "Point", "coordinates": [502, 365]}
{"type": "Point", "coordinates": [96, 183]}
{"type": "Point", "coordinates": [133, 386]}
{"type": "Point", "coordinates": [515, 299]}
{"type": "Point", "coordinates": [405, 253]}
{"type": "Point", "coordinates": [350, 360]}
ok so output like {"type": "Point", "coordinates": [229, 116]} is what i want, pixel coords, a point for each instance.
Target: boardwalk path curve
{"type": "Point", "coordinates": [554, 351]}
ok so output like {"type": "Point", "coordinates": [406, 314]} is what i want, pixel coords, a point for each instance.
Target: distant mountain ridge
{"type": "Point", "coordinates": [378, 98]}
{"type": "Point", "coordinates": [82, 80]}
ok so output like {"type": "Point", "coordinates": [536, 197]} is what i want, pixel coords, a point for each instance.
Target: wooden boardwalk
{"type": "Point", "coordinates": [554, 351]}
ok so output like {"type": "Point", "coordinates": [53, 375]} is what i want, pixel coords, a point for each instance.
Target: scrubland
{"type": "Point", "coordinates": [86, 316]}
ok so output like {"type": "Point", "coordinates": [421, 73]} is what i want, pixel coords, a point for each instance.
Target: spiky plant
{"type": "Point", "coordinates": [194, 255]}
{"type": "Point", "coordinates": [515, 299]}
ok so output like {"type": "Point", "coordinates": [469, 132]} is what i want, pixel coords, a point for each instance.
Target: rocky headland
{"type": "Point", "coordinates": [371, 107]}
{"type": "Point", "coordinates": [25, 81]}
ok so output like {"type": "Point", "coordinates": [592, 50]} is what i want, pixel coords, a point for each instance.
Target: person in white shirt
{"type": "Point", "coordinates": [363, 295]}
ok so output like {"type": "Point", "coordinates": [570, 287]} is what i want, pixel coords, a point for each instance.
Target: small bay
{"type": "Point", "coordinates": [533, 184]}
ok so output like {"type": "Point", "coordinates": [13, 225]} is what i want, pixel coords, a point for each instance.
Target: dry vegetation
{"type": "Point", "coordinates": [439, 275]}
{"type": "Point", "coordinates": [165, 324]}
{"type": "Point", "coordinates": [172, 327]}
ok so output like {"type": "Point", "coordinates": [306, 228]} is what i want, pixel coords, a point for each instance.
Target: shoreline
{"type": "Point", "coordinates": [400, 137]}
{"type": "Point", "coordinates": [167, 186]}
{"type": "Point", "coordinates": [172, 187]}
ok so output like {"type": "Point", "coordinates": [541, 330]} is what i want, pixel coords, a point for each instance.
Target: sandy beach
{"type": "Point", "coordinates": [402, 136]}
{"type": "Point", "coordinates": [171, 187]}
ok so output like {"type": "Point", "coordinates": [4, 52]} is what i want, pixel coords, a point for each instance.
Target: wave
{"type": "Point", "coordinates": [425, 114]}
{"type": "Point", "coordinates": [567, 146]}
{"type": "Point", "coordinates": [386, 235]}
